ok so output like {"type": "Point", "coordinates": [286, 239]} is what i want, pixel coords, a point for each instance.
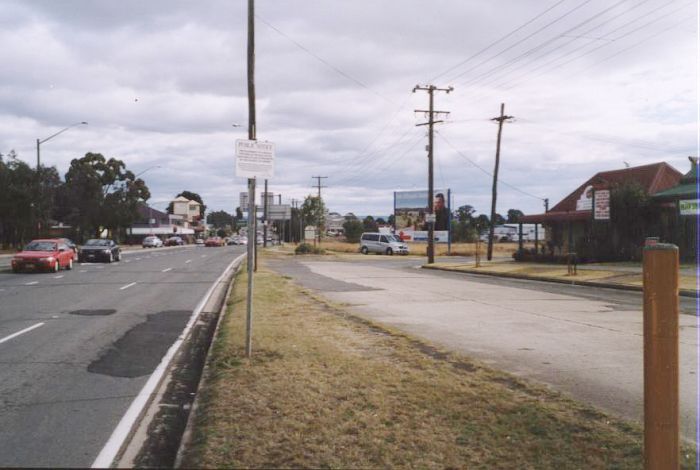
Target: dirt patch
{"type": "Point", "coordinates": [91, 313]}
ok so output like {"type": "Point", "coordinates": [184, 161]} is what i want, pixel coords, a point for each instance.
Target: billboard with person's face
{"type": "Point", "coordinates": [410, 210]}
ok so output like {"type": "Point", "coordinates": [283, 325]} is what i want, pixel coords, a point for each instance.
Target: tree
{"type": "Point", "coordinates": [313, 212]}
{"type": "Point", "coordinates": [498, 219]}
{"type": "Point", "coordinates": [464, 213]}
{"type": "Point", "coordinates": [98, 194]}
{"type": "Point", "coordinates": [514, 216]}
{"type": "Point", "coordinates": [381, 221]}
{"type": "Point", "coordinates": [192, 197]}
{"type": "Point", "coordinates": [353, 229]}
{"type": "Point", "coordinates": [391, 220]}
{"type": "Point", "coordinates": [220, 219]}
{"type": "Point", "coordinates": [370, 224]}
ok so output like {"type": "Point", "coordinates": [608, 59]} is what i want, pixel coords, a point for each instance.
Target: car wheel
{"type": "Point", "coordinates": [364, 250]}
{"type": "Point", "coordinates": [110, 258]}
{"type": "Point", "coordinates": [389, 251]}
{"type": "Point", "coordinates": [70, 264]}
{"type": "Point", "coordinates": [56, 267]}
{"type": "Point", "coordinates": [118, 257]}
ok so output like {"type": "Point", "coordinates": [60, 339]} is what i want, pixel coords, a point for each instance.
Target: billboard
{"type": "Point", "coordinates": [410, 211]}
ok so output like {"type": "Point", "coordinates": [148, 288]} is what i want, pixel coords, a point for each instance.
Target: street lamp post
{"type": "Point", "coordinates": [41, 141]}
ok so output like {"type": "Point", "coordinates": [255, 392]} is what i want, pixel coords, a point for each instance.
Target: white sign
{"type": "Point", "coordinates": [689, 207]}
{"type": "Point", "coordinates": [279, 212]}
{"type": "Point", "coordinates": [243, 200]}
{"type": "Point", "coordinates": [430, 218]}
{"type": "Point", "coordinates": [255, 159]}
{"type": "Point", "coordinates": [601, 209]}
{"type": "Point", "coordinates": [585, 201]}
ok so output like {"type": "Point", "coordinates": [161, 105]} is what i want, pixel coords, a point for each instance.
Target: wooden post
{"type": "Point", "coordinates": [661, 395]}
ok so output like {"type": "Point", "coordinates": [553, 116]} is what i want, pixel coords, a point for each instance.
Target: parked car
{"type": "Point", "coordinates": [214, 241]}
{"type": "Point", "coordinates": [43, 255]}
{"type": "Point", "coordinates": [174, 241]}
{"type": "Point", "coordinates": [99, 249]}
{"type": "Point", "coordinates": [374, 242]}
{"type": "Point", "coordinates": [71, 244]}
{"type": "Point", "coordinates": [152, 242]}
{"type": "Point", "coordinates": [234, 240]}
{"type": "Point", "coordinates": [199, 242]}
{"type": "Point", "coordinates": [243, 241]}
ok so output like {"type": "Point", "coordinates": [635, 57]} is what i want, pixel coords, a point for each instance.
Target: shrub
{"type": "Point", "coordinates": [307, 249]}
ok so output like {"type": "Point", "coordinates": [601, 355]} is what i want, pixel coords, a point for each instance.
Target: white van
{"type": "Point", "coordinates": [374, 242]}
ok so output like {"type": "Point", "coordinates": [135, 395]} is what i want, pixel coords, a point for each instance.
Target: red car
{"type": "Point", "coordinates": [214, 241]}
{"type": "Point", "coordinates": [45, 255]}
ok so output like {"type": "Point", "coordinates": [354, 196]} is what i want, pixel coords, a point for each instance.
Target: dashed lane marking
{"type": "Point", "coordinates": [166, 270]}
{"type": "Point", "coordinates": [58, 277]}
{"type": "Point", "coordinates": [127, 286]}
{"type": "Point", "coordinates": [33, 283]}
{"type": "Point", "coordinates": [21, 332]}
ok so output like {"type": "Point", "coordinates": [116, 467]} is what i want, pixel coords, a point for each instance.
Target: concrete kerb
{"type": "Point", "coordinates": [124, 433]}
{"type": "Point", "coordinates": [203, 379]}
{"type": "Point", "coordinates": [572, 282]}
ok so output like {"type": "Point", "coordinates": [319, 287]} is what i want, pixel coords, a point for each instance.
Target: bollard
{"type": "Point", "coordinates": [661, 410]}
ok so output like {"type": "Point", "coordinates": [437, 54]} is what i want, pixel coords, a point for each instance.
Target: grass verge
{"type": "Point", "coordinates": [326, 389]}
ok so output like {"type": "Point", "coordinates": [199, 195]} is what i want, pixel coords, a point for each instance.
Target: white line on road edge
{"type": "Point", "coordinates": [188, 261]}
{"type": "Point", "coordinates": [166, 270]}
{"type": "Point", "coordinates": [127, 286]}
{"type": "Point", "coordinates": [26, 330]}
{"type": "Point", "coordinates": [123, 430]}
{"type": "Point", "coordinates": [33, 283]}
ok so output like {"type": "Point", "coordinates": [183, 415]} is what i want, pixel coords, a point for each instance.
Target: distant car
{"type": "Point", "coordinates": [99, 249]}
{"type": "Point", "coordinates": [199, 242]}
{"type": "Point", "coordinates": [235, 240]}
{"type": "Point", "coordinates": [174, 241]}
{"type": "Point", "coordinates": [214, 241]}
{"type": "Point", "coordinates": [43, 255]}
{"type": "Point", "coordinates": [382, 243]}
{"type": "Point", "coordinates": [243, 241]}
{"type": "Point", "coordinates": [152, 242]}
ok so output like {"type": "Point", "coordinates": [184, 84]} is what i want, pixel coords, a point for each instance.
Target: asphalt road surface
{"type": "Point", "coordinates": [77, 346]}
{"type": "Point", "coordinates": [584, 341]}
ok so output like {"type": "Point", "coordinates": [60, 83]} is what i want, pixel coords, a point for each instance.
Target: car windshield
{"type": "Point", "coordinates": [40, 246]}
{"type": "Point", "coordinates": [393, 238]}
{"type": "Point", "coordinates": [97, 242]}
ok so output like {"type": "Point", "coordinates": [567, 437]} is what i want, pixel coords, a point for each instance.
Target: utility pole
{"type": "Point", "coordinates": [318, 217]}
{"type": "Point", "coordinates": [546, 205]}
{"type": "Point", "coordinates": [431, 122]}
{"type": "Point", "coordinates": [251, 181]}
{"type": "Point", "coordinates": [265, 217]}
{"type": "Point", "coordinates": [500, 119]}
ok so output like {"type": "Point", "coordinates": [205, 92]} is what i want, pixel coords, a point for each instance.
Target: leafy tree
{"type": "Point", "coordinates": [514, 215]}
{"type": "Point", "coordinates": [464, 213]}
{"type": "Point", "coordinates": [392, 220]}
{"type": "Point", "coordinates": [353, 229]}
{"type": "Point", "coordinates": [221, 233]}
{"type": "Point", "coordinates": [313, 212]}
{"type": "Point", "coordinates": [381, 221]}
{"type": "Point", "coordinates": [100, 193]}
{"type": "Point", "coordinates": [498, 219]}
{"type": "Point", "coordinates": [370, 224]}
{"type": "Point", "coordinates": [192, 197]}
{"type": "Point", "coordinates": [220, 219]}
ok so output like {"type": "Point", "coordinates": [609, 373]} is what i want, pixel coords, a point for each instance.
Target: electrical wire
{"type": "Point", "coordinates": [515, 188]}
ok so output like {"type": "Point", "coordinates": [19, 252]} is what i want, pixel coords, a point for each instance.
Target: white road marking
{"type": "Point", "coordinates": [204, 256]}
{"type": "Point", "coordinates": [83, 270]}
{"type": "Point", "coordinates": [100, 267]}
{"type": "Point", "coordinates": [109, 452]}
{"type": "Point", "coordinates": [58, 277]}
{"type": "Point", "coordinates": [33, 283]}
{"type": "Point", "coordinates": [188, 261]}
{"type": "Point", "coordinates": [138, 259]}
{"type": "Point", "coordinates": [166, 270]}
{"type": "Point", "coordinates": [127, 286]}
{"type": "Point", "coordinates": [127, 261]}
{"type": "Point", "coordinates": [26, 330]}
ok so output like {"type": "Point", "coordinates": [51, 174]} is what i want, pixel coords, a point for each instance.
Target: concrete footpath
{"type": "Point", "coordinates": [627, 276]}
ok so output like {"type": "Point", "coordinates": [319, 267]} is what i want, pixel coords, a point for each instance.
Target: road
{"type": "Point", "coordinates": [586, 342]}
{"type": "Point", "coordinates": [77, 346]}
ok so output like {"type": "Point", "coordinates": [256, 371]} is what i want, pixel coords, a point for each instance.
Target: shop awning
{"type": "Point", "coordinates": [556, 216]}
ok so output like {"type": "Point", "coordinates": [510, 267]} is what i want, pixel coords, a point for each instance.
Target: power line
{"type": "Point", "coordinates": [536, 17]}
{"type": "Point", "coordinates": [322, 60]}
{"type": "Point", "coordinates": [486, 171]}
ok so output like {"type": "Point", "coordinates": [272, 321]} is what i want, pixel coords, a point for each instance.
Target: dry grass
{"type": "Point", "coordinates": [418, 249]}
{"type": "Point", "coordinates": [325, 389]}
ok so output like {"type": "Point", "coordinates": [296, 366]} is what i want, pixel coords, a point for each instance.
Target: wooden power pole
{"type": "Point", "coordinates": [251, 181]}
{"type": "Point", "coordinates": [500, 119]}
{"type": "Point", "coordinates": [431, 122]}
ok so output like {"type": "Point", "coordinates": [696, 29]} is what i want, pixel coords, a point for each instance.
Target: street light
{"type": "Point", "coordinates": [41, 141]}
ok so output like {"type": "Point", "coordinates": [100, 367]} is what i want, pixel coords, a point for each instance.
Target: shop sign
{"type": "Point", "coordinates": [689, 207]}
{"type": "Point", "coordinates": [601, 208]}
{"type": "Point", "coordinates": [585, 201]}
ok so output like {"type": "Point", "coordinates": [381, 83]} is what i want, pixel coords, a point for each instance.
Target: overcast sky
{"type": "Point", "coordinates": [592, 84]}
